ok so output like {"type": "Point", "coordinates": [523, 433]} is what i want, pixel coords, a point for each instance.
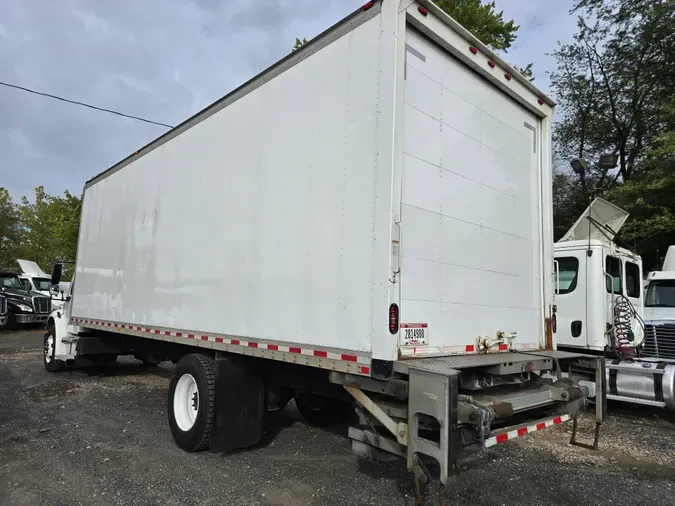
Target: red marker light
{"type": "Point", "coordinates": [541, 101]}
{"type": "Point", "coordinates": [492, 64]}
{"type": "Point", "coordinates": [507, 76]}
{"type": "Point", "coordinates": [473, 50]}
{"type": "Point", "coordinates": [393, 319]}
{"type": "Point", "coordinates": [368, 6]}
{"type": "Point", "coordinates": [423, 11]}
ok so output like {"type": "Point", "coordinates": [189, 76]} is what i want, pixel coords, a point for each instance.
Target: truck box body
{"type": "Point", "coordinates": [384, 163]}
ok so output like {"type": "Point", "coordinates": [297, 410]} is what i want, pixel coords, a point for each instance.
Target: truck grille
{"type": "Point", "coordinates": [660, 341]}
{"type": "Point", "coordinates": [42, 304]}
{"type": "Point", "coordinates": [3, 306]}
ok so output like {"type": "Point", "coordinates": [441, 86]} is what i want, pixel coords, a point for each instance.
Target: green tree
{"type": "Point", "coordinates": [51, 227]}
{"type": "Point", "coordinates": [610, 85]}
{"type": "Point", "coordinates": [483, 21]}
{"type": "Point", "coordinates": [611, 82]}
{"type": "Point", "coordinates": [299, 43]}
{"type": "Point", "coordinates": [11, 231]}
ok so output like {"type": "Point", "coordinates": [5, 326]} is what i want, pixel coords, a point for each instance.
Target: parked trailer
{"type": "Point", "coordinates": [367, 220]}
{"type": "Point", "coordinates": [600, 307]}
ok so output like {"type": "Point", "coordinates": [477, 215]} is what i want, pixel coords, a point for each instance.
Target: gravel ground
{"type": "Point", "coordinates": [102, 438]}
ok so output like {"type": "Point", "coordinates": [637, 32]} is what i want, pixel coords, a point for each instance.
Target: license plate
{"type": "Point", "coordinates": [414, 334]}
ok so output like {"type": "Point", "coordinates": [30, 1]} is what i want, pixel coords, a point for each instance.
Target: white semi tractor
{"type": "Point", "coordinates": [601, 309]}
{"type": "Point", "coordinates": [366, 222]}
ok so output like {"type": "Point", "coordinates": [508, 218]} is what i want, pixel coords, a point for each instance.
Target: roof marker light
{"type": "Point", "coordinates": [507, 76]}
{"type": "Point", "coordinates": [473, 50]}
{"type": "Point", "coordinates": [492, 64]}
{"type": "Point", "coordinates": [423, 11]}
{"type": "Point", "coordinates": [368, 6]}
{"type": "Point", "coordinates": [541, 101]}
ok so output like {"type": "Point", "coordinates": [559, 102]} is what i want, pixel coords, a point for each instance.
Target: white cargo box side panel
{"type": "Point", "coordinates": [471, 213]}
{"type": "Point", "coordinates": [256, 222]}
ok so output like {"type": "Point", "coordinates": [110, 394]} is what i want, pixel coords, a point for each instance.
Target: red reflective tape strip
{"type": "Point", "coordinates": [219, 339]}
{"type": "Point", "coordinates": [192, 336]}
{"type": "Point", "coordinates": [557, 420]}
{"type": "Point", "coordinates": [156, 331]}
{"type": "Point", "coordinates": [294, 350]}
{"type": "Point", "coordinates": [503, 347]}
{"type": "Point", "coordinates": [522, 432]}
{"type": "Point", "coordinates": [179, 334]}
{"type": "Point", "coordinates": [115, 325]}
{"type": "Point", "coordinates": [364, 370]}
{"type": "Point", "coordinates": [234, 341]}
{"type": "Point", "coordinates": [252, 345]}
{"type": "Point", "coordinates": [322, 354]}
{"type": "Point", "coordinates": [541, 426]}
{"type": "Point", "coordinates": [204, 338]}
{"type": "Point", "coordinates": [272, 347]}
{"type": "Point", "coordinates": [470, 348]}
{"type": "Point", "coordinates": [500, 438]}
{"type": "Point", "coordinates": [167, 333]}
{"type": "Point", "coordinates": [147, 330]}
{"type": "Point", "coordinates": [109, 325]}
{"type": "Point", "coordinates": [349, 358]}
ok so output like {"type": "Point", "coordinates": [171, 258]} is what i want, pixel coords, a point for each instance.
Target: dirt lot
{"type": "Point", "coordinates": [98, 439]}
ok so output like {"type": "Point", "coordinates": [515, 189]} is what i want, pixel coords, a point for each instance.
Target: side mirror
{"type": "Point", "coordinates": [56, 274]}
{"type": "Point", "coordinates": [54, 290]}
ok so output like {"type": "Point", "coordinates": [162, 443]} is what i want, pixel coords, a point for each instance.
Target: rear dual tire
{"type": "Point", "coordinates": [191, 402]}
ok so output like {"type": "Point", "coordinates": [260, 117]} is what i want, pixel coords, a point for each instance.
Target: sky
{"type": "Point", "coordinates": [163, 60]}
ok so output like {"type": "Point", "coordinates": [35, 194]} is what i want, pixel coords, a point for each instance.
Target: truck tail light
{"type": "Point", "coordinates": [393, 318]}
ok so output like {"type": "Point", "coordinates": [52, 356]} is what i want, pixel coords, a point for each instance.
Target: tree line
{"type": "Point", "coordinates": [43, 230]}
{"type": "Point", "coordinates": [614, 84]}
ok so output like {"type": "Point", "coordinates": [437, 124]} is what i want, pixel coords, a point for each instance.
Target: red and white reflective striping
{"type": "Point", "coordinates": [363, 362]}
{"type": "Point", "coordinates": [514, 434]}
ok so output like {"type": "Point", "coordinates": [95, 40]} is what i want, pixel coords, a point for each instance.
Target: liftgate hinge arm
{"type": "Point", "coordinates": [399, 430]}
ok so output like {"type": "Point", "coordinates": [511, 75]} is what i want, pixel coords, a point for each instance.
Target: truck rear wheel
{"type": "Point", "coordinates": [51, 364]}
{"type": "Point", "coordinates": [322, 411]}
{"type": "Point", "coordinates": [191, 402]}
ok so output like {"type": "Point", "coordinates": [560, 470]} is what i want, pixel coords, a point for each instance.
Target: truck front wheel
{"type": "Point", "coordinates": [191, 402]}
{"type": "Point", "coordinates": [321, 411]}
{"type": "Point", "coordinates": [51, 364]}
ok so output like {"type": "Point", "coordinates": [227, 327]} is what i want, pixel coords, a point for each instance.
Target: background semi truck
{"type": "Point", "coordinates": [601, 309]}
{"type": "Point", "coordinates": [367, 222]}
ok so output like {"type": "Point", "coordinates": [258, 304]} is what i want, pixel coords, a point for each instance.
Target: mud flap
{"type": "Point", "coordinates": [239, 404]}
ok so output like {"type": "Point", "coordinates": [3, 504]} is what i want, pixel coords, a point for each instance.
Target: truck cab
{"type": "Point", "coordinates": [592, 274]}
{"type": "Point", "coordinates": [659, 313]}
{"type": "Point", "coordinates": [34, 279]}
{"type": "Point", "coordinates": [24, 306]}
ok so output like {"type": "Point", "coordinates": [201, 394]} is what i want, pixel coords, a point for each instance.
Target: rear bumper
{"type": "Point", "coordinates": [30, 318]}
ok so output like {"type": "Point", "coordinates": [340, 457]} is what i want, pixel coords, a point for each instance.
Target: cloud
{"type": "Point", "coordinates": [164, 60]}
{"type": "Point", "coordinates": [160, 59]}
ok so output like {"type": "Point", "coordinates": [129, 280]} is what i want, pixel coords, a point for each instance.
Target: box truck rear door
{"type": "Point", "coordinates": [471, 218]}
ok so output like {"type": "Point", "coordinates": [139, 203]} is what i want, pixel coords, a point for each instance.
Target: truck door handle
{"type": "Point", "coordinates": [576, 328]}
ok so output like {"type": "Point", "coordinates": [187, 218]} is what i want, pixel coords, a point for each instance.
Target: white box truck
{"type": "Point", "coordinates": [366, 222]}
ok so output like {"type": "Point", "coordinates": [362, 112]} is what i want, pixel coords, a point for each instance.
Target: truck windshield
{"type": "Point", "coordinates": [661, 293]}
{"type": "Point", "coordinates": [11, 281]}
{"type": "Point", "coordinates": [42, 284]}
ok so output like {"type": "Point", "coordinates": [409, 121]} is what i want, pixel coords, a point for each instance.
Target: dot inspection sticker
{"type": "Point", "coordinates": [413, 334]}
